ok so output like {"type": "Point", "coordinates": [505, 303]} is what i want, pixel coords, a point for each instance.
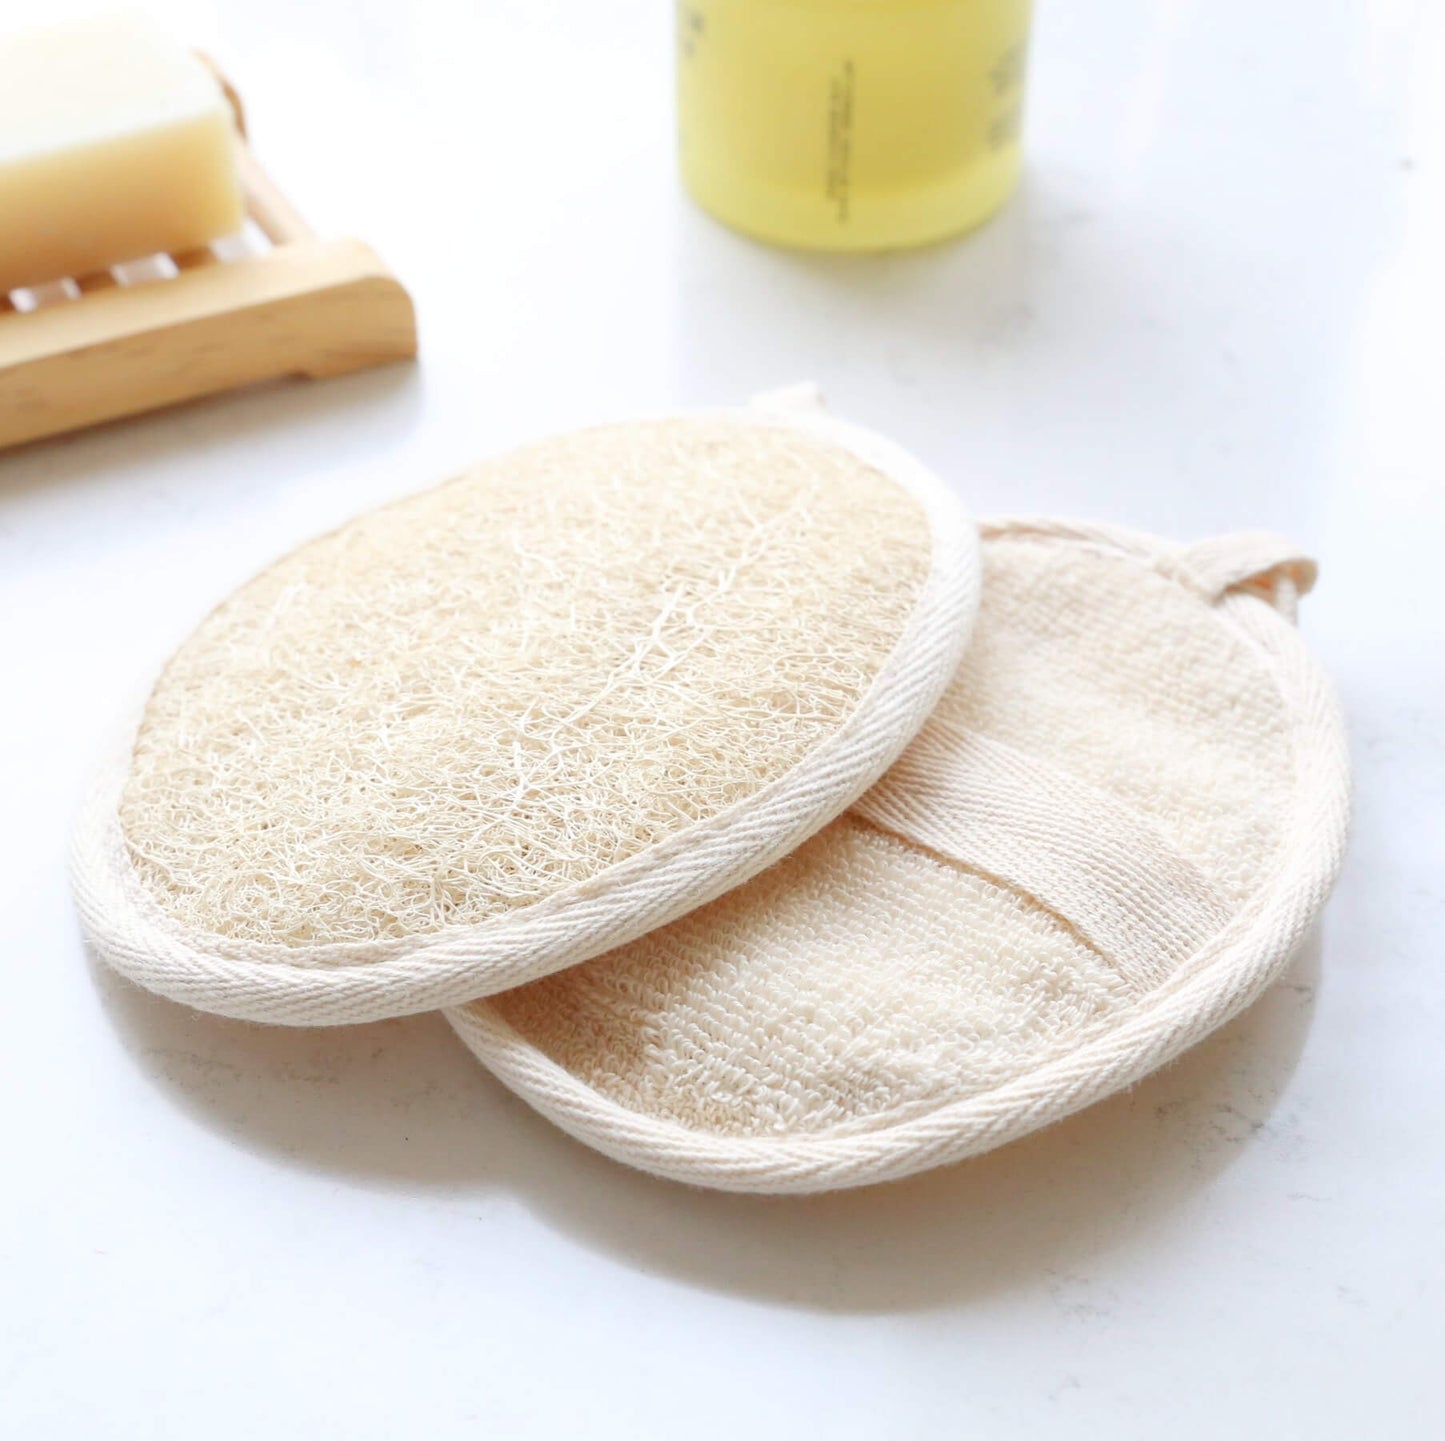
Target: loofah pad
{"type": "Point", "coordinates": [1110, 836]}
{"type": "Point", "coordinates": [504, 725]}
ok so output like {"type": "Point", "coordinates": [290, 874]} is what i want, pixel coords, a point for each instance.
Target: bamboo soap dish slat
{"type": "Point", "coordinates": [303, 307]}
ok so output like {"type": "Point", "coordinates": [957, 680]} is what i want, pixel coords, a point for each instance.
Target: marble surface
{"type": "Point", "coordinates": [1216, 304]}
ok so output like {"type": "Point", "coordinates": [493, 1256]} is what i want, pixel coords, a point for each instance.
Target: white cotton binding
{"type": "Point", "coordinates": [505, 725]}
{"type": "Point", "coordinates": [1123, 816]}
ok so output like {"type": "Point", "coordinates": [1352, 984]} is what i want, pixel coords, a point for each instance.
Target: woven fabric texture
{"type": "Point", "coordinates": [497, 727]}
{"type": "Point", "coordinates": [1109, 837]}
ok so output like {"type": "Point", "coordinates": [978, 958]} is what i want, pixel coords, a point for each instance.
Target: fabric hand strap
{"type": "Point", "coordinates": [1080, 853]}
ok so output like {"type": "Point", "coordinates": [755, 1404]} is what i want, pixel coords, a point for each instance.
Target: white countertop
{"type": "Point", "coordinates": [1216, 305]}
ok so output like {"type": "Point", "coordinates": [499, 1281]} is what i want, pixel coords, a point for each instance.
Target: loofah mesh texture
{"type": "Point", "coordinates": [1107, 839]}
{"type": "Point", "coordinates": [459, 704]}
{"type": "Point", "coordinates": [485, 700]}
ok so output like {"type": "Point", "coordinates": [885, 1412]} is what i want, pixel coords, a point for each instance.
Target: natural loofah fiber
{"type": "Point", "coordinates": [1109, 837]}
{"type": "Point", "coordinates": [670, 617]}
{"type": "Point", "coordinates": [501, 725]}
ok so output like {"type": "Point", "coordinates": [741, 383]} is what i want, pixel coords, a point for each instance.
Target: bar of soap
{"type": "Point", "coordinates": [115, 143]}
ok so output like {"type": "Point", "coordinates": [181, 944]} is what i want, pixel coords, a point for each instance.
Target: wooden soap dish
{"type": "Point", "coordinates": [304, 306]}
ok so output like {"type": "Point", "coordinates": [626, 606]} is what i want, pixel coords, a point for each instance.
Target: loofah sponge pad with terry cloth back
{"type": "Point", "coordinates": [502, 726]}
{"type": "Point", "coordinates": [1110, 836]}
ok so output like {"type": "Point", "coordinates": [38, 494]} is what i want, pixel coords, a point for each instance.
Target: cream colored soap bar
{"type": "Point", "coordinates": [115, 142]}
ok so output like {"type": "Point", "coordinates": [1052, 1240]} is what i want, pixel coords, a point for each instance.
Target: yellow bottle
{"type": "Point", "coordinates": [851, 124]}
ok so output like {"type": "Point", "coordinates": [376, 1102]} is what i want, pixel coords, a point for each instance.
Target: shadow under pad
{"type": "Point", "coordinates": [402, 1104]}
